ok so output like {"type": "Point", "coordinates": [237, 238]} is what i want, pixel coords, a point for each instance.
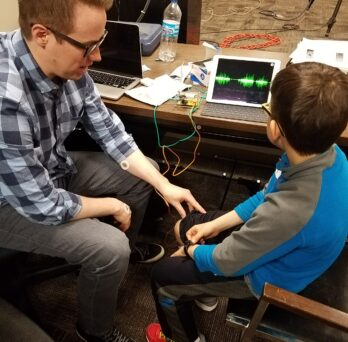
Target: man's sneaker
{"type": "Point", "coordinates": [154, 333]}
{"type": "Point", "coordinates": [146, 253]}
{"type": "Point", "coordinates": [113, 335]}
{"type": "Point", "coordinates": [207, 303]}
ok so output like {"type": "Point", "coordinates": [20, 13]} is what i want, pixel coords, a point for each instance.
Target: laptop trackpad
{"type": "Point", "coordinates": [108, 92]}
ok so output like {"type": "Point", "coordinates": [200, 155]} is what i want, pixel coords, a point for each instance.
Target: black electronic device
{"type": "Point", "coordinates": [120, 68]}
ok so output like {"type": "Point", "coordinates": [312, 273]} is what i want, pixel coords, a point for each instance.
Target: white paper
{"type": "Point", "coordinates": [182, 71]}
{"type": "Point", "coordinates": [331, 52]}
{"type": "Point", "coordinates": [145, 68]}
{"type": "Point", "coordinates": [163, 89]}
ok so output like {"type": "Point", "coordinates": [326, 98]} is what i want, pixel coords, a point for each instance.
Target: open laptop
{"type": "Point", "coordinates": [120, 68]}
{"type": "Point", "coordinates": [238, 86]}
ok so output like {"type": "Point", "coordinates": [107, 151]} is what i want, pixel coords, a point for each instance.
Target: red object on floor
{"type": "Point", "coordinates": [154, 333]}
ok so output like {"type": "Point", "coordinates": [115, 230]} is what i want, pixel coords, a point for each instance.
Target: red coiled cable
{"type": "Point", "coordinates": [270, 40]}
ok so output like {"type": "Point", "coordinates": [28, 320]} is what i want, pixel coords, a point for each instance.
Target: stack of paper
{"type": "Point", "coordinates": [162, 89]}
{"type": "Point", "coordinates": [331, 52]}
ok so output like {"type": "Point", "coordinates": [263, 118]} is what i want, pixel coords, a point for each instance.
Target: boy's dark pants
{"type": "Point", "coordinates": [176, 282]}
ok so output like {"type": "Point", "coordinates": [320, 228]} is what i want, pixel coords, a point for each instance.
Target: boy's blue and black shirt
{"type": "Point", "coordinates": [294, 228]}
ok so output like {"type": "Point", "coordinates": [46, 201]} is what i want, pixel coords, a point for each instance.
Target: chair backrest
{"type": "Point", "coordinates": [299, 316]}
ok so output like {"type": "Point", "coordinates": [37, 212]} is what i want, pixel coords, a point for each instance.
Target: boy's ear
{"type": "Point", "coordinates": [274, 130]}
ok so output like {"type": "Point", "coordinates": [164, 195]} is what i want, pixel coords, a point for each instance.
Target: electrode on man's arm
{"type": "Point", "coordinates": [141, 167]}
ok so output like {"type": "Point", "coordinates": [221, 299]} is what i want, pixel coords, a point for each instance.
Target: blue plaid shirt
{"type": "Point", "coordinates": [36, 116]}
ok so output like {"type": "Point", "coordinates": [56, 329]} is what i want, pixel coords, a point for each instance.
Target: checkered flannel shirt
{"type": "Point", "coordinates": [36, 116]}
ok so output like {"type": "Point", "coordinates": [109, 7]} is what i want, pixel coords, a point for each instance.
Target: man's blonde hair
{"type": "Point", "coordinates": [58, 14]}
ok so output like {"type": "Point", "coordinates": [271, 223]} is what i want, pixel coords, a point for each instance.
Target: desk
{"type": "Point", "coordinates": [172, 115]}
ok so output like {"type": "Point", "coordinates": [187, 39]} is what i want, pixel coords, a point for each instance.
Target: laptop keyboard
{"type": "Point", "coordinates": [110, 80]}
{"type": "Point", "coordinates": [232, 112]}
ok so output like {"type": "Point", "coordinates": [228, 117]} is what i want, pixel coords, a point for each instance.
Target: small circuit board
{"type": "Point", "coordinates": [187, 99]}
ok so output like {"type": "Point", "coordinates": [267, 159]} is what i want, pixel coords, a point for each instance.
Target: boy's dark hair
{"type": "Point", "coordinates": [57, 14]}
{"type": "Point", "coordinates": [310, 103]}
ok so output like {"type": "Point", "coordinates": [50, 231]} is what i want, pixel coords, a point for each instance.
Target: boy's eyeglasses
{"type": "Point", "coordinates": [87, 48]}
{"type": "Point", "coordinates": [267, 108]}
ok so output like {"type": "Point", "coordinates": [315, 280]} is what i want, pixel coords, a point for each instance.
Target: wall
{"type": "Point", "coordinates": [8, 15]}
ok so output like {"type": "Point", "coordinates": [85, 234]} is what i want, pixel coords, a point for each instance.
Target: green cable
{"type": "Point", "coordinates": [203, 96]}
{"type": "Point", "coordinates": [158, 136]}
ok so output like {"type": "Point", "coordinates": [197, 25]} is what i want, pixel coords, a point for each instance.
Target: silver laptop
{"type": "Point", "coordinates": [238, 86]}
{"type": "Point", "coordinates": [120, 68]}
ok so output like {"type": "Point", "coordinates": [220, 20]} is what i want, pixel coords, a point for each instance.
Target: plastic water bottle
{"type": "Point", "coordinates": [170, 31]}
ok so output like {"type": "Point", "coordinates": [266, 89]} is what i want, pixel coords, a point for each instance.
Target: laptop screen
{"type": "Point", "coordinates": [241, 80]}
{"type": "Point", "coordinates": [120, 51]}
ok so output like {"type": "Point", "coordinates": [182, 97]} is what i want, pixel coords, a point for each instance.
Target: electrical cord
{"type": "Point", "coordinates": [164, 147]}
{"type": "Point", "coordinates": [236, 11]}
{"type": "Point", "coordinates": [276, 16]}
{"type": "Point", "coordinates": [285, 28]}
{"type": "Point", "coordinates": [143, 11]}
{"type": "Point", "coordinates": [117, 9]}
{"type": "Point", "coordinates": [269, 40]}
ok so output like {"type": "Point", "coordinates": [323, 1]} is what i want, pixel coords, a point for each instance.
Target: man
{"type": "Point", "coordinates": [49, 199]}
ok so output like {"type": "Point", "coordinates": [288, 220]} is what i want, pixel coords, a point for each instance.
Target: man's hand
{"type": "Point", "coordinates": [122, 215]}
{"type": "Point", "coordinates": [175, 195]}
{"type": "Point", "coordinates": [105, 206]}
{"type": "Point", "coordinates": [140, 166]}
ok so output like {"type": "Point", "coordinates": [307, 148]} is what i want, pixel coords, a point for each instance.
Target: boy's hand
{"type": "Point", "coordinates": [180, 252]}
{"type": "Point", "coordinates": [201, 232]}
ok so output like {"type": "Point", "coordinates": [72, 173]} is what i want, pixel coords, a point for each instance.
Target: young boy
{"type": "Point", "coordinates": [293, 229]}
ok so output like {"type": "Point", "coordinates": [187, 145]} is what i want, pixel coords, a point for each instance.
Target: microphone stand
{"type": "Point", "coordinates": [332, 19]}
{"type": "Point", "coordinates": [310, 3]}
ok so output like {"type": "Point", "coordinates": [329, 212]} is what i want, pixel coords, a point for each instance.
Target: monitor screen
{"type": "Point", "coordinates": [246, 81]}
{"type": "Point", "coordinates": [120, 51]}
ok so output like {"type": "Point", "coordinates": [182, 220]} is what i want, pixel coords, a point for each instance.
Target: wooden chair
{"type": "Point", "coordinates": [319, 313]}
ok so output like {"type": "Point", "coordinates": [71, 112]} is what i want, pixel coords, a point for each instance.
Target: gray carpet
{"type": "Point", "coordinates": [221, 18]}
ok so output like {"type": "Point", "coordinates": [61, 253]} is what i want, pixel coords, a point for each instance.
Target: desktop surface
{"type": "Point", "coordinates": [171, 114]}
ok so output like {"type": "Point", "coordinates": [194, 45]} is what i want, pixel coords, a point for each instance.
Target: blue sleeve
{"type": "Point", "coordinates": [246, 208]}
{"type": "Point", "coordinates": [203, 257]}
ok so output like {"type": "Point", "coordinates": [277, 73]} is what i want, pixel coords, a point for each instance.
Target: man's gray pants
{"type": "Point", "coordinates": [101, 249]}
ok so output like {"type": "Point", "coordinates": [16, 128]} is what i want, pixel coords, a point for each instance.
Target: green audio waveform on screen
{"type": "Point", "coordinates": [246, 81]}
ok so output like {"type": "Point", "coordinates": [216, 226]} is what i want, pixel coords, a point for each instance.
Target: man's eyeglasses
{"type": "Point", "coordinates": [267, 108]}
{"type": "Point", "coordinates": [87, 48]}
